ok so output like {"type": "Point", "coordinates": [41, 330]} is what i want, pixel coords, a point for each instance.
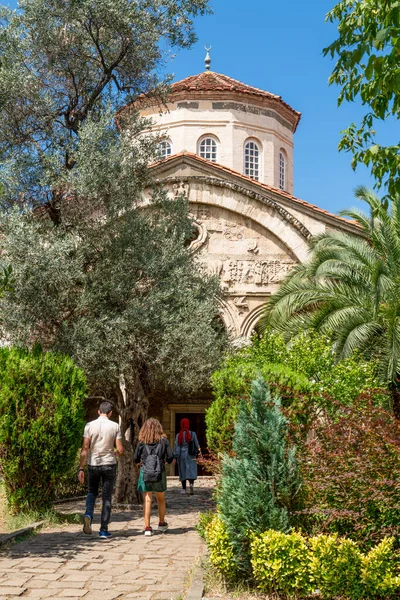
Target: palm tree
{"type": "Point", "coordinates": [350, 288]}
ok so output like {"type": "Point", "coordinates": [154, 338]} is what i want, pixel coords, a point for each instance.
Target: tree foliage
{"type": "Point", "coordinates": [350, 287]}
{"type": "Point", "coordinates": [304, 373]}
{"type": "Point", "coordinates": [368, 68]}
{"type": "Point", "coordinates": [41, 421]}
{"type": "Point", "coordinates": [101, 271]}
{"type": "Point", "coordinates": [63, 62]}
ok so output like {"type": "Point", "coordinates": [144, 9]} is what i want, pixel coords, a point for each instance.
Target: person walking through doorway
{"type": "Point", "coordinates": [152, 451]}
{"type": "Point", "coordinates": [100, 438]}
{"type": "Point", "coordinates": [185, 452]}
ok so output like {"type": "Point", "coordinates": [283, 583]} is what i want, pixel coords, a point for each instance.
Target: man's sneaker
{"type": "Point", "coordinates": [148, 531]}
{"type": "Point", "coordinates": [162, 526]}
{"type": "Point", "coordinates": [87, 524]}
{"type": "Point", "coordinates": [191, 489]}
{"type": "Point", "coordinates": [104, 535]}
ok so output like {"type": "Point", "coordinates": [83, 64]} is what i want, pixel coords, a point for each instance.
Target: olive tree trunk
{"type": "Point", "coordinates": [132, 405]}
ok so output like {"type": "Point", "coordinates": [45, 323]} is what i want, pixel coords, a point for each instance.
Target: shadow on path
{"type": "Point", "coordinates": [68, 543]}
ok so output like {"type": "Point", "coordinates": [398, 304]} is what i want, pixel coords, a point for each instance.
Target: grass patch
{"type": "Point", "coordinates": [10, 522]}
{"type": "Point", "coordinates": [216, 587]}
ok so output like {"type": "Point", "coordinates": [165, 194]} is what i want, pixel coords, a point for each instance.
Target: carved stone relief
{"type": "Point", "coordinates": [233, 232]}
{"type": "Point", "coordinates": [241, 304]}
{"type": "Point", "coordinates": [202, 234]}
{"type": "Point", "coordinates": [181, 189]}
{"type": "Point", "coordinates": [256, 272]}
{"type": "Point", "coordinates": [252, 246]}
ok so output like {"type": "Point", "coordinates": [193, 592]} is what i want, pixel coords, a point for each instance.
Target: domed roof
{"type": "Point", "coordinates": [209, 81]}
{"type": "Point", "coordinates": [216, 86]}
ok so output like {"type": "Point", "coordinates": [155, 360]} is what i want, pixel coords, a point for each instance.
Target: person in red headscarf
{"type": "Point", "coordinates": [186, 452]}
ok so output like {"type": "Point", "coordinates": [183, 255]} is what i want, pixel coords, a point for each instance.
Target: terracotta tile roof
{"type": "Point", "coordinates": [264, 186]}
{"type": "Point", "coordinates": [207, 82]}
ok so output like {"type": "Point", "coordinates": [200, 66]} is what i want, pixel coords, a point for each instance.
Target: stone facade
{"type": "Point", "coordinates": [250, 233]}
{"type": "Point", "coordinates": [231, 124]}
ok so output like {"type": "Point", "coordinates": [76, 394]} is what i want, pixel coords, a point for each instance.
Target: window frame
{"type": "Point", "coordinates": [282, 165]}
{"type": "Point", "coordinates": [167, 142]}
{"type": "Point", "coordinates": [256, 166]}
{"type": "Point", "coordinates": [215, 141]}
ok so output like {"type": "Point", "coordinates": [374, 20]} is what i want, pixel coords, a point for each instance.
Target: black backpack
{"type": "Point", "coordinates": [152, 467]}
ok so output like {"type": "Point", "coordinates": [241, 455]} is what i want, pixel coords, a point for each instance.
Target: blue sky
{"type": "Point", "coordinates": [277, 46]}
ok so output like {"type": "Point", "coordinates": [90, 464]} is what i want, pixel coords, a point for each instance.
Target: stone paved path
{"type": "Point", "coordinates": [65, 563]}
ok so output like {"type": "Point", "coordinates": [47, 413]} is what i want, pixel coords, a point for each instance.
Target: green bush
{"type": "Point", "coordinates": [350, 474]}
{"type": "Point", "coordinates": [259, 485]}
{"type": "Point", "coordinates": [280, 563]}
{"type": "Point", "coordinates": [335, 565]}
{"type": "Point", "coordinates": [204, 521]}
{"type": "Point", "coordinates": [220, 548]}
{"type": "Point", "coordinates": [295, 566]}
{"type": "Point", "coordinates": [41, 423]}
{"type": "Point", "coordinates": [67, 485]}
{"type": "Point", "coordinates": [304, 374]}
{"type": "Point", "coordinates": [378, 572]}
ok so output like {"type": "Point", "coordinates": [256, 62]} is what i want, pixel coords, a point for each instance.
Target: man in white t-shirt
{"type": "Point", "coordinates": [102, 440]}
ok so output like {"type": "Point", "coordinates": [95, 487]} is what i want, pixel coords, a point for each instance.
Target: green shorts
{"type": "Point", "coordinates": [157, 486]}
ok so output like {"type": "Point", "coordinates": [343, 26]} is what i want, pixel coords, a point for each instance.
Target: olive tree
{"type": "Point", "coordinates": [98, 274]}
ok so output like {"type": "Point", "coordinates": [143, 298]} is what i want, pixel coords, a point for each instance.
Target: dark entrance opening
{"type": "Point", "coordinates": [197, 424]}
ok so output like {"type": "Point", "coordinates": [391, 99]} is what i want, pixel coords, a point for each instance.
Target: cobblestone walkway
{"type": "Point", "coordinates": [65, 563]}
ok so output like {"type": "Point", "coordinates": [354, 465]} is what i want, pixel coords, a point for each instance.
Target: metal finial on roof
{"type": "Point", "coordinates": [207, 59]}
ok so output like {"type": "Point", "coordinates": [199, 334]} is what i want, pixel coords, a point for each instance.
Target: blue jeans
{"type": "Point", "coordinates": [105, 473]}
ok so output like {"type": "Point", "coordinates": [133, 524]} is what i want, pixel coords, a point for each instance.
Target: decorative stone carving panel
{"type": "Point", "coordinates": [247, 258]}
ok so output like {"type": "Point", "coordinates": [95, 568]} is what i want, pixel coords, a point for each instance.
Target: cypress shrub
{"type": "Point", "coordinates": [259, 485]}
{"type": "Point", "coordinates": [41, 423]}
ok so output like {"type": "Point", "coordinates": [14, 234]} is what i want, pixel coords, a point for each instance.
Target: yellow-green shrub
{"type": "Point", "coordinates": [378, 572]}
{"type": "Point", "coordinates": [297, 566]}
{"type": "Point", "coordinates": [220, 547]}
{"type": "Point", "coordinates": [335, 565]}
{"type": "Point", "coordinates": [280, 563]}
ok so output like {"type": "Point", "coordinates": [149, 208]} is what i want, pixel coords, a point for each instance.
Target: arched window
{"type": "Point", "coordinates": [208, 149]}
{"type": "Point", "coordinates": [164, 149]}
{"type": "Point", "coordinates": [252, 160]}
{"type": "Point", "coordinates": [282, 170]}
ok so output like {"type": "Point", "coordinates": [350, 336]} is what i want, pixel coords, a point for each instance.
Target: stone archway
{"type": "Point", "coordinates": [251, 321]}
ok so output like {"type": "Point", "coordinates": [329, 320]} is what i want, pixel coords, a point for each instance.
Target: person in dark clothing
{"type": "Point", "coordinates": [152, 439]}
{"type": "Point", "coordinates": [185, 443]}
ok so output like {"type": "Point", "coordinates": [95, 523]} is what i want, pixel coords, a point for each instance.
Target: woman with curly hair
{"type": "Point", "coordinates": [152, 451]}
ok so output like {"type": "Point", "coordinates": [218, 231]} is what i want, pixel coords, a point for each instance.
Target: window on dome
{"type": "Point", "coordinates": [252, 160]}
{"type": "Point", "coordinates": [282, 170]}
{"type": "Point", "coordinates": [208, 149]}
{"type": "Point", "coordinates": [164, 149]}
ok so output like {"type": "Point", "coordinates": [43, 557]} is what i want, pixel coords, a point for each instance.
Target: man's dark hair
{"type": "Point", "coordinates": [105, 408]}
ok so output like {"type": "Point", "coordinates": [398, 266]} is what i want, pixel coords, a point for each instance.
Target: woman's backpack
{"type": "Point", "coordinates": [152, 467]}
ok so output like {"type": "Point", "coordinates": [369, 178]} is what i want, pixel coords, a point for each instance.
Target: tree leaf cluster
{"type": "Point", "coordinates": [304, 373]}
{"type": "Point", "coordinates": [350, 287]}
{"type": "Point", "coordinates": [62, 62]}
{"type": "Point", "coordinates": [367, 68]}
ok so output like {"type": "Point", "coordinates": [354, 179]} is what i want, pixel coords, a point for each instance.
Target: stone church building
{"type": "Point", "coordinates": [228, 147]}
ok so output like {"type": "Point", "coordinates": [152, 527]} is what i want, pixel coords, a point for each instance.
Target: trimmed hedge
{"type": "Point", "coordinates": [297, 566]}
{"type": "Point", "coordinates": [41, 423]}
